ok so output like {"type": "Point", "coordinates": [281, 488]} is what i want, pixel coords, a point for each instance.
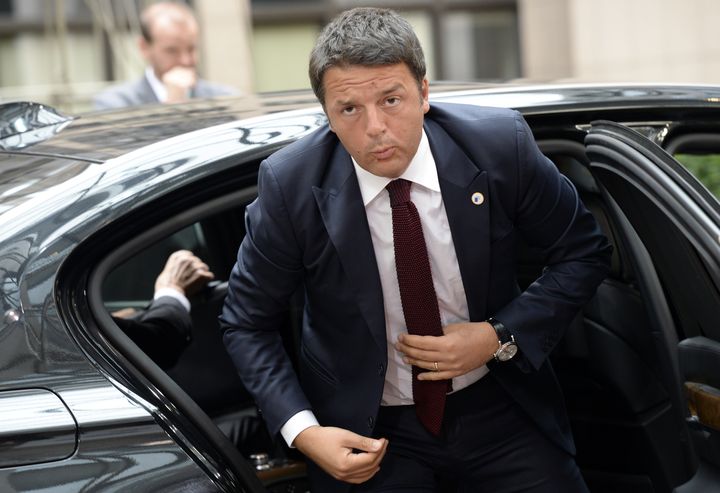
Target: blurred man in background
{"type": "Point", "coordinates": [169, 46]}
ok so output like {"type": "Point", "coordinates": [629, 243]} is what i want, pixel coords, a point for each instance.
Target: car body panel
{"type": "Point", "coordinates": [39, 353]}
{"type": "Point", "coordinates": [36, 427]}
{"type": "Point", "coordinates": [40, 228]}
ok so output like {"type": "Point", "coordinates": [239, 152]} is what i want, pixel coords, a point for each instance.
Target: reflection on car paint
{"type": "Point", "coordinates": [36, 426]}
{"type": "Point", "coordinates": [23, 124]}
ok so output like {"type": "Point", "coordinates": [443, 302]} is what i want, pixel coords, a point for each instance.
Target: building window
{"type": "Point", "coordinates": [283, 3]}
{"type": "Point", "coordinates": [480, 45]}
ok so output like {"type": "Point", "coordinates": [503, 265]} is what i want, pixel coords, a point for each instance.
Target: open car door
{"type": "Point", "coordinates": [669, 225]}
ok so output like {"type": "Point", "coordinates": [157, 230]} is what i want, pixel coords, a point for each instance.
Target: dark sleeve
{"type": "Point", "coordinates": [268, 270]}
{"type": "Point", "coordinates": [162, 330]}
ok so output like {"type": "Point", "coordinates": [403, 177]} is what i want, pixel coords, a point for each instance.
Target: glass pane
{"type": "Point", "coordinates": [705, 167]}
{"type": "Point", "coordinates": [281, 54]}
{"type": "Point", "coordinates": [286, 2]}
{"type": "Point", "coordinates": [480, 45]}
{"type": "Point", "coordinates": [132, 282]}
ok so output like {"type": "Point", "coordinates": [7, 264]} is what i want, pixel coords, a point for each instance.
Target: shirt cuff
{"type": "Point", "coordinates": [173, 293]}
{"type": "Point", "coordinates": [298, 423]}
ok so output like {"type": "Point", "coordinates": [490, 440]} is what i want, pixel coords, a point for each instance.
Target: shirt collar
{"type": "Point", "coordinates": [155, 84]}
{"type": "Point", "coordinates": [421, 170]}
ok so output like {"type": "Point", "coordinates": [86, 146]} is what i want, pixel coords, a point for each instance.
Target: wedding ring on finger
{"type": "Point", "coordinates": [436, 367]}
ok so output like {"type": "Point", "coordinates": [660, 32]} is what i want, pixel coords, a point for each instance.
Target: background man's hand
{"type": "Point", "coordinates": [179, 81]}
{"type": "Point", "coordinates": [463, 347]}
{"type": "Point", "coordinates": [341, 453]}
{"type": "Point", "coordinates": [184, 272]}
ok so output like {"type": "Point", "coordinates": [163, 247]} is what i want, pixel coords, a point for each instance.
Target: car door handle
{"type": "Point", "coordinates": [35, 426]}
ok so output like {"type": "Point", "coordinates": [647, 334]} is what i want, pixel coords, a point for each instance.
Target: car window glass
{"type": "Point", "coordinates": [130, 285]}
{"type": "Point", "coordinates": [705, 167]}
{"type": "Point", "coordinates": [699, 152]}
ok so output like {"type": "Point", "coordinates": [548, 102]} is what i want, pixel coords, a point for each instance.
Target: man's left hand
{"type": "Point", "coordinates": [463, 347]}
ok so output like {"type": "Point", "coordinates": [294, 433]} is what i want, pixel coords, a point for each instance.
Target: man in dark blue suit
{"type": "Point", "coordinates": [324, 220]}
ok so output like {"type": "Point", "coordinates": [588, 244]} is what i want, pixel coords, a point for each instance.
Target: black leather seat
{"type": "Point", "coordinates": [609, 370]}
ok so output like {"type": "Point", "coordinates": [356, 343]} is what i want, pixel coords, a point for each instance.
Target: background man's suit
{"type": "Point", "coordinates": [140, 92]}
{"type": "Point", "coordinates": [309, 226]}
{"type": "Point", "coordinates": [162, 330]}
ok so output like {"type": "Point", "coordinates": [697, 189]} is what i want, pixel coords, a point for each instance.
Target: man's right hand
{"type": "Point", "coordinates": [179, 81]}
{"type": "Point", "coordinates": [184, 272]}
{"type": "Point", "coordinates": [341, 453]}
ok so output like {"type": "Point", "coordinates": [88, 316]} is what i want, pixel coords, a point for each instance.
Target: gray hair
{"type": "Point", "coordinates": [365, 36]}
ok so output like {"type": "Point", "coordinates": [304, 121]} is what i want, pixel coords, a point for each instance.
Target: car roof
{"type": "Point", "coordinates": [92, 139]}
{"type": "Point", "coordinates": [549, 98]}
{"type": "Point", "coordinates": [99, 136]}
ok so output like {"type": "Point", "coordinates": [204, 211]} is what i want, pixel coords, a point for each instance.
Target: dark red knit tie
{"type": "Point", "coordinates": [418, 298]}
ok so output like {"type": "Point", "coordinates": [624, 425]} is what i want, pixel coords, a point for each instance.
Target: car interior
{"type": "Point", "coordinates": [628, 365]}
{"type": "Point", "coordinates": [624, 419]}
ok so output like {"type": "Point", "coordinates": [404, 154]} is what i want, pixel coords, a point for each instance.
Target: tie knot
{"type": "Point", "coordinates": [399, 191]}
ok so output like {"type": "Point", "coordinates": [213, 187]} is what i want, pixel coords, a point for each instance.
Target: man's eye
{"type": "Point", "coordinates": [349, 110]}
{"type": "Point", "coordinates": [392, 101]}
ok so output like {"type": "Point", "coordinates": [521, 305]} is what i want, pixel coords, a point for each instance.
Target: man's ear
{"type": "Point", "coordinates": [425, 93]}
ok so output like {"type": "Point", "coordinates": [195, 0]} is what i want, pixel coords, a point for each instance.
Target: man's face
{"type": "Point", "coordinates": [377, 113]}
{"type": "Point", "coordinates": [173, 44]}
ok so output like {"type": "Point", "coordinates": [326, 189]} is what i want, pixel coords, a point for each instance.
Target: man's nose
{"type": "Point", "coordinates": [375, 122]}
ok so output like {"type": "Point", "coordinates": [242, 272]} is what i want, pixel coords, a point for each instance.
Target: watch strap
{"type": "Point", "coordinates": [506, 342]}
{"type": "Point", "coordinates": [502, 333]}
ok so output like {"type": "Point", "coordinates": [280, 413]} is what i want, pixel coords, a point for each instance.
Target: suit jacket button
{"type": "Point", "coordinates": [371, 422]}
{"type": "Point", "coordinates": [381, 370]}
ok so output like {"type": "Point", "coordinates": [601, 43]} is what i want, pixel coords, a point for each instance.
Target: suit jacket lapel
{"type": "Point", "coordinates": [340, 204]}
{"type": "Point", "coordinates": [343, 213]}
{"type": "Point", "coordinates": [145, 93]}
{"type": "Point", "coordinates": [465, 195]}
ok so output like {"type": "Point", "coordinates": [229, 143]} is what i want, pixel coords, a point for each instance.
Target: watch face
{"type": "Point", "coordinates": [506, 351]}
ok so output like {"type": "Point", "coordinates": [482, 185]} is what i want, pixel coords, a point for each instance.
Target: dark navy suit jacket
{"type": "Point", "coordinates": [308, 228]}
{"type": "Point", "coordinates": [162, 330]}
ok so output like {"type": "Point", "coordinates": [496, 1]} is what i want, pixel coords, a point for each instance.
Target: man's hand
{"type": "Point", "coordinates": [463, 347]}
{"type": "Point", "coordinates": [179, 81]}
{"type": "Point", "coordinates": [124, 313]}
{"type": "Point", "coordinates": [341, 453]}
{"type": "Point", "coordinates": [184, 272]}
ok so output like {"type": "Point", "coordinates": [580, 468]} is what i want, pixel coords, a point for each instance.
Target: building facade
{"type": "Point", "coordinates": [61, 52]}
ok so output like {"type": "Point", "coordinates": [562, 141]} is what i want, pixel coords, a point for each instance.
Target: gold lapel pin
{"type": "Point", "coordinates": [477, 198]}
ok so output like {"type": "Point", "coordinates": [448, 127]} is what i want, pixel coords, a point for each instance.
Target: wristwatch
{"type": "Point", "coordinates": [507, 348]}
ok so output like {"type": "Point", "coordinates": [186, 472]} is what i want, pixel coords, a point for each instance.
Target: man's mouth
{"type": "Point", "coordinates": [383, 153]}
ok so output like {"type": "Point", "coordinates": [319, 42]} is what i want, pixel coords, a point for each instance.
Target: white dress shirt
{"type": "Point", "coordinates": [425, 194]}
{"type": "Point", "coordinates": [158, 87]}
{"type": "Point", "coordinates": [173, 293]}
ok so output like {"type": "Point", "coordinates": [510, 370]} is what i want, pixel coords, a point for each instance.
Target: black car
{"type": "Point", "coordinates": [91, 206]}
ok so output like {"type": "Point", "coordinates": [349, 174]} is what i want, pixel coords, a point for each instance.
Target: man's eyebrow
{"type": "Point", "coordinates": [385, 92]}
